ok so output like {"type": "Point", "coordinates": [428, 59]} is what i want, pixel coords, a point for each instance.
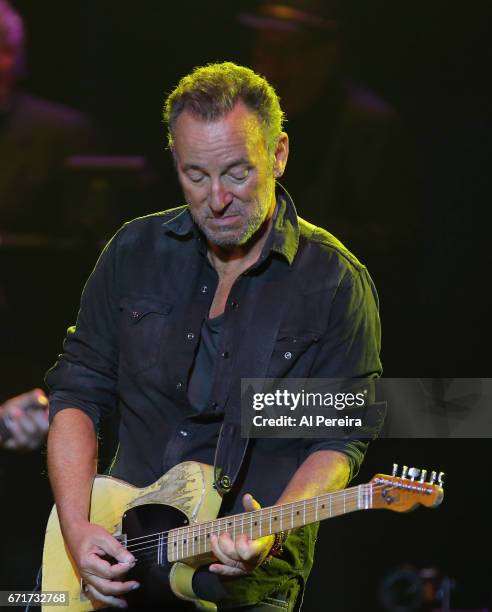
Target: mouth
{"type": "Point", "coordinates": [224, 221]}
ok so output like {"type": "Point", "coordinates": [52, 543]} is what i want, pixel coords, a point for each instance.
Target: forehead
{"type": "Point", "coordinates": [239, 133]}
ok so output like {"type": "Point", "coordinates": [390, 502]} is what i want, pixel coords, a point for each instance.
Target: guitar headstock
{"type": "Point", "coordinates": [407, 491]}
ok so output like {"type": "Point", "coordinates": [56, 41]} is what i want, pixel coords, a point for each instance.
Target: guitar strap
{"type": "Point", "coordinates": [253, 359]}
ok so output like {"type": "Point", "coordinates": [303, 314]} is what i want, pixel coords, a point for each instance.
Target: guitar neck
{"type": "Point", "coordinates": [185, 542]}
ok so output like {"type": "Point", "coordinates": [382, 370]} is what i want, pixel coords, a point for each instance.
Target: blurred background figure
{"type": "Point", "coordinates": [353, 170]}
{"type": "Point", "coordinates": [35, 138]}
{"type": "Point", "coordinates": [24, 421]}
{"type": "Point", "coordinates": [37, 226]}
{"type": "Point", "coordinates": [24, 492]}
{"type": "Point", "coordinates": [40, 227]}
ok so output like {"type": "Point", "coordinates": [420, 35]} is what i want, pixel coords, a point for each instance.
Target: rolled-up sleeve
{"type": "Point", "coordinates": [85, 374]}
{"type": "Point", "coordinates": [350, 350]}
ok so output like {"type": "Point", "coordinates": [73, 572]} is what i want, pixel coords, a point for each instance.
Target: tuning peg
{"type": "Point", "coordinates": [404, 471]}
{"type": "Point", "coordinates": [423, 474]}
{"type": "Point", "coordinates": [395, 469]}
{"type": "Point", "coordinates": [433, 477]}
{"type": "Point", "coordinates": [413, 473]}
{"type": "Point", "coordinates": [440, 479]}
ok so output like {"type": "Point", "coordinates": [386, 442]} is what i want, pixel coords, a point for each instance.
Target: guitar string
{"type": "Point", "coordinates": [201, 530]}
{"type": "Point", "coordinates": [288, 507]}
{"type": "Point", "coordinates": [149, 555]}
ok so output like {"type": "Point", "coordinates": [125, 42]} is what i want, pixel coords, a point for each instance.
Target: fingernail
{"type": "Point", "coordinates": [135, 586]}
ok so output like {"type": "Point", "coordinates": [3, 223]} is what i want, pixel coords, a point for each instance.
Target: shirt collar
{"type": "Point", "coordinates": [283, 237]}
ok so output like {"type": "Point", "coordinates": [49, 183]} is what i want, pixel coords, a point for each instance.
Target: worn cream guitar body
{"type": "Point", "coordinates": [167, 526]}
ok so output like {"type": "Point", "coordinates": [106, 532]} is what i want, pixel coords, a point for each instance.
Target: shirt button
{"type": "Point", "coordinates": [190, 336]}
{"type": "Point", "coordinates": [288, 355]}
{"type": "Point", "coordinates": [135, 314]}
{"type": "Point", "coordinates": [214, 405]}
{"type": "Point", "coordinates": [204, 288]}
{"type": "Point", "coordinates": [225, 354]}
{"type": "Point", "coordinates": [179, 385]}
{"type": "Point", "coordinates": [234, 305]}
{"type": "Point", "coordinates": [183, 433]}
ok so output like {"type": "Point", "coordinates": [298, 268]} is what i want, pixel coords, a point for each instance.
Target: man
{"type": "Point", "coordinates": [178, 309]}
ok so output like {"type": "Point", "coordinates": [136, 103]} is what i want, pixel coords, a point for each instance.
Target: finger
{"type": "Point", "coordinates": [96, 566]}
{"type": "Point", "coordinates": [227, 570]}
{"type": "Point", "coordinates": [110, 587]}
{"type": "Point", "coordinates": [111, 546]}
{"type": "Point", "coordinates": [26, 424]}
{"type": "Point", "coordinates": [18, 439]}
{"type": "Point", "coordinates": [227, 545]}
{"type": "Point", "coordinates": [224, 549]}
{"type": "Point", "coordinates": [94, 594]}
{"type": "Point", "coordinates": [250, 503]}
{"type": "Point", "coordinates": [40, 418]}
{"type": "Point", "coordinates": [247, 550]}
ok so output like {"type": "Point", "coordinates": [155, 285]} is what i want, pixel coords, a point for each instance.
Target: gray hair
{"type": "Point", "coordinates": [212, 91]}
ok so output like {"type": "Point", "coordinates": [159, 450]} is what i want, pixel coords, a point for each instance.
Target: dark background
{"type": "Point", "coordinates": [115, 60]}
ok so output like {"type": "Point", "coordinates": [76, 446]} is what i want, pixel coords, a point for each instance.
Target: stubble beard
{"type": "Point", "coordinates": [232, 237]}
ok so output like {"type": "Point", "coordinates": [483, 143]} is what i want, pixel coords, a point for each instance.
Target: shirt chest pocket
{"type": "Point", "coordinates": [144, 327]}
{"type": "Point", "coordinates": [293, 353]}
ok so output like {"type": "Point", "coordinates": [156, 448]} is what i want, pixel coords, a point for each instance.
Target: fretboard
{"type": "Point", "coordinates": [186, 542]}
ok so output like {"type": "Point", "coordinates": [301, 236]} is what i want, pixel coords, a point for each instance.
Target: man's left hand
{"type": "Point", "coordinates": [242, 555]}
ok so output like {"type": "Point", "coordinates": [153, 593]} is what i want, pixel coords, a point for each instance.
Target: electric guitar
{"type": "Point", "coordinates": [169, 523]}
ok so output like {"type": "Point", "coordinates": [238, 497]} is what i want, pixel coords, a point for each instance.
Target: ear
{"type": "Point", "coordinates": [280, 155]}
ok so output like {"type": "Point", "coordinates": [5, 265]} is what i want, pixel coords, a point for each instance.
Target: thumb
{"type": "Point", "coordinates": [250, 503]}
{"type": "Point", "coordinates": [118, 551]}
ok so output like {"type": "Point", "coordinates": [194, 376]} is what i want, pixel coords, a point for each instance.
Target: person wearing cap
{"type": "Point", "coordinates": [35, 138]}
{"type": "Point", "coordinates": [181, 305]}
{"type": "Point", "coordinates": [354, 171]}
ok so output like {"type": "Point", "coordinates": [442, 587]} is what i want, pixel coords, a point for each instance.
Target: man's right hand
{"type": "Point", "coordinates": [103, 582]}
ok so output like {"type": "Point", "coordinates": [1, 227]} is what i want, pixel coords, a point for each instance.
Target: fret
{"type": "Point", "coordinates": [258, 523]}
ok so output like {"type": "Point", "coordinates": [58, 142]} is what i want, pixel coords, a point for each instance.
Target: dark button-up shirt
{"type": "Point", "coordinates": [139, 326]}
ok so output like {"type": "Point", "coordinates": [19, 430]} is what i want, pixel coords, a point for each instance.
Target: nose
{"type": "Point", "coordinates": [220, 197]}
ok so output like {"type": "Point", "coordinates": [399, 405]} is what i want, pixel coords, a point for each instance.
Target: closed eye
{"type": "Point", "coordinates": [195, 177]}
{"type": "Point", "coordinates": [239, 175]}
